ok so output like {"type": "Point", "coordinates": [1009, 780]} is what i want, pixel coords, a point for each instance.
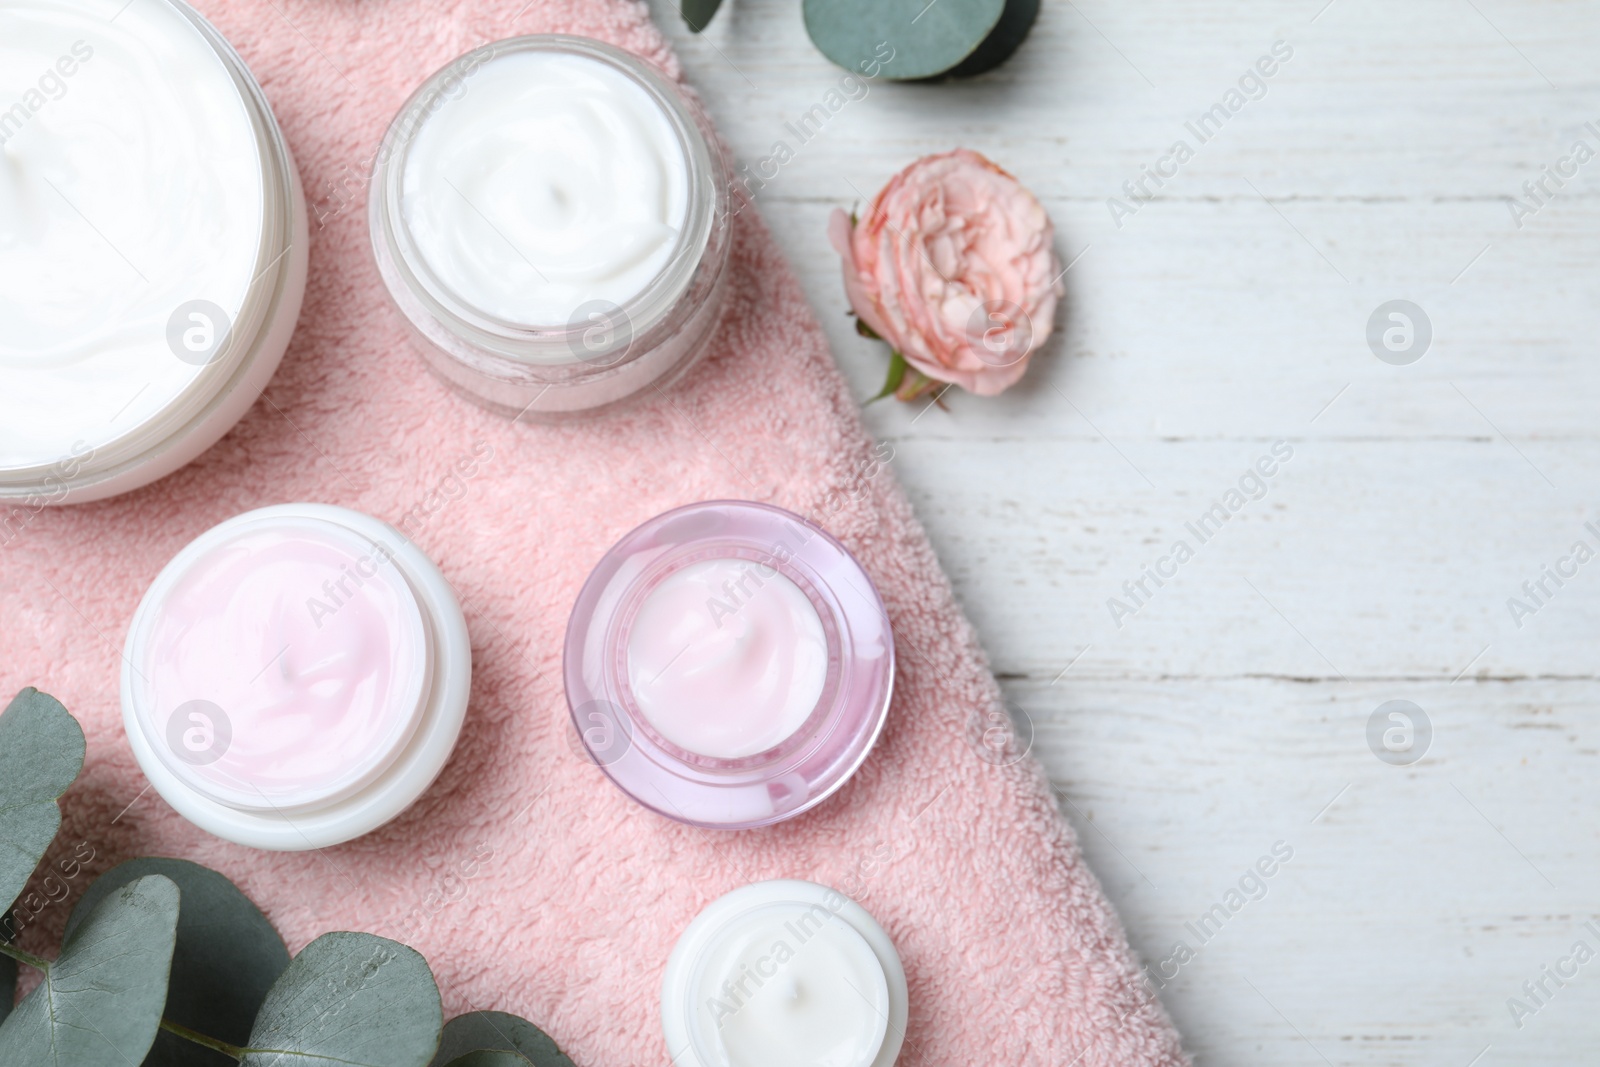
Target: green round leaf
{"type": "Point", "coordinates": [41, 752]}
{"type": "Point", "coordinates": [8, 984]}
{"type": "Point", "coordinates": [500, 1032]}
{"type": "Point", "coordinates": [697, 13]}
{"type": "Point", "coordinates": [900, 39]}
{"type": "Point", "coordinates": [486, 1057]}
{"type": "Point", "coordinates": [356, 1000]}
{"type": "Point", "coordinates": [1006, 37]}
{"type": "Point", "coordinates": [227, 957]}
{"type": "Point", "coordinates": [100, 1002]}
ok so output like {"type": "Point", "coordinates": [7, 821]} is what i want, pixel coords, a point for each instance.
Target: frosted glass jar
{"type": "Point", "coordinates": [550, 216]}
{"type": "Point", "coordinates": [729, 664]}
{"type": "Point", "coordinates": [152, 244]}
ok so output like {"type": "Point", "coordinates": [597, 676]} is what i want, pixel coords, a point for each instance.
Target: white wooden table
{"type": "Point", "coordinates": [1231, 711]}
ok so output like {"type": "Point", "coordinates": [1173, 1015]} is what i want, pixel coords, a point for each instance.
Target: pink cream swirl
{"type": "Point", "coordinates": [294, 659]}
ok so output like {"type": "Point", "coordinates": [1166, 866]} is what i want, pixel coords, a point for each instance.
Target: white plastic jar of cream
{"type": "Point", "coordinates": [784, 974]}
{"type": "Point", "coordinates": [152, 244]}
{"type": "Point", "coordinates": [295, 677]}
{"type": "Point", "coordinates": [550, 216]}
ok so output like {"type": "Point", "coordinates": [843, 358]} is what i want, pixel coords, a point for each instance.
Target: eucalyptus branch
{"type": "Point", "coordinates": [38, 963]}
{"type": "Point", "coordinates": [132, 956]}
{"type": "Point", "coordinates": [201, 1039]}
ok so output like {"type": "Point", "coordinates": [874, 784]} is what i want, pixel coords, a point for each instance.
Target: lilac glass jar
{"type": "Point", "coordinates": [729, 664]}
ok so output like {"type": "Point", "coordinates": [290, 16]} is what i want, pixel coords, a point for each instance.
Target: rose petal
{"type": "Point", "coordinates": [947, 237]}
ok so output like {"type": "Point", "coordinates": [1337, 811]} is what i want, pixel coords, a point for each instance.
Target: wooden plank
{"type": "Point", "coordinates": [1228, 313]}
{"type": "Point", "coordinates": [1416, 902]}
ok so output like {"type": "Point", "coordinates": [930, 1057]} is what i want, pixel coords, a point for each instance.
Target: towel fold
{"type": "Point", "coordinates": [527, 880]}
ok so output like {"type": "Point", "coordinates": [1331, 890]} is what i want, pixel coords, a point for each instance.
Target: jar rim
{"type": "Point", "coordinates": [562, 351]}
{"type": "Point", "coordinates": [274, 271]}
{"type": "Point", "coordinates": [682, 1029]}
{"type": "Point", "coordinates": [423, 757]}
{"type": "Point", "coordinates": [413, 690]}
{"type": "Point", "coordinates": [803, 769]}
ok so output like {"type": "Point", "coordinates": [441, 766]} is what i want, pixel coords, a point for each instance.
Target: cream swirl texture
{"type": "Point", "coordinates": [727, 658]}
{"type": "Point", "coordinates": [130, 187]}
{"type": "Point", "coordinates": [544, 182]}
{"type": "Point", "coordinates": [285, 666]}
{"type": "Point", "coordinates": [788, 985]}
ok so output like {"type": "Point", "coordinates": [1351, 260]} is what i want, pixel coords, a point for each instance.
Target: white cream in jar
{"type": "Point", "coordinates": [784, 974]}
{"type": "Point", "coordinates": [553, 180]}
{"type": "Point", "coordinates": [727, 658]}
{"type": "Point", "coordinates": [152, 250]}
{"type": "Point", "coordinates": [550, 216]}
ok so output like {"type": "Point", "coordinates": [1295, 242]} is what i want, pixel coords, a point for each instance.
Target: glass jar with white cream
{"type": "Point", "coordinates": [550, 216]}
{"type": "Point", "coordinates": [784, 974]}
{"type": "Point", "coordinates": [152, 244]}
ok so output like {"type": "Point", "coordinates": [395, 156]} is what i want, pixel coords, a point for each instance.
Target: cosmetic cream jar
{"type": "Point", "coordinates": [784, 974]}
{"type": "Point", "coordinates": [295, 677]}
{"type": "Point", "coordinates": [550, 216]}
{"type": "Point", "coordinates": [728, 664]}
{"type": "Point", "coordinates": [152, 244]}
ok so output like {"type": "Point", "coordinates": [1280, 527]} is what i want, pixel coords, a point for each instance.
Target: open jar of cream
{"type": "Point", "coordinates": [295, 677]}
{"type": "Point", "coordinates": [784, 974]}
{"type": "Point", "coordinates": [550, 215]}
{"type": "Point", "coordinates": [729, 664]}
{"type": "Point", "coordinates": [152, 244]}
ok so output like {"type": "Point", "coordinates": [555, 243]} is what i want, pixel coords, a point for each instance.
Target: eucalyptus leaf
{"type": "Point", "coordinates": [1006, 37]}
{"type": "Point", "coordinates": [497, 1031]}
{"type": "Point", "coordinates": [488, 1057]}
{"type": "Point", "coordinates": [100, 1002]}
{"type": "Point", "coordinates": [697, 14]}
{"type": "Point", "coordinates": [8, 986]}
{"type": "Point", "coordinates": [912, 39]}
{"type": "Point", "coordinates": [353, 999]}
{"type": "Point", "coordinates": [227, 957]}
{"type": "Point", "coordinates": [41, 752]}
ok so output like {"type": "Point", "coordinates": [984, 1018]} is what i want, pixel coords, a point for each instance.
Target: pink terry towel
{"type": "Point", "coordinates": [528, 881]}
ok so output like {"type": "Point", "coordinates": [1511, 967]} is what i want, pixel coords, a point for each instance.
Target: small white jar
{"type": "Point", "coordinates": [295, 677]}
{"type": "Point", "coordinates": [550, 216]}
{"type": "Point", "coordinates": [784, 973]}
{"type": "Point", "coordinates": [152, 245]}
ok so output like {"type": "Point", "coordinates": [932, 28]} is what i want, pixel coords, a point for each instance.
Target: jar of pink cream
{"type": "Point", "coordinates": [295, 677]}
{"type": "Point", "coordinates": [729, 664]}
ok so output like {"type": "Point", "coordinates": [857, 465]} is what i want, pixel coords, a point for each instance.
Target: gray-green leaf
{"type": "Point", "coordinates": [227, 957]}
{"type": "Point", "coordinates": [488, 1057]}
{"type": "Point", "coordinates": [912, 39]}
{"type": "Point", "coordinates": [8, 979]}
{"type": "Point", "coordinates": [1006, 37]}
{"type": "Point", "coordinates": [352, 999]}
{"type": "Point", "coordinates": [697, 14]}
{"type": "Point", "coordinates": [41, 752]}
{"type": "Point", "coordinates": [497, 1031]}
{"type": "Point", "coordinates": [100, 1002]}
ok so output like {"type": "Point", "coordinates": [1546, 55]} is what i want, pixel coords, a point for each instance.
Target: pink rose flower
{"type": "Point", "coordinates": [954, 265]}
